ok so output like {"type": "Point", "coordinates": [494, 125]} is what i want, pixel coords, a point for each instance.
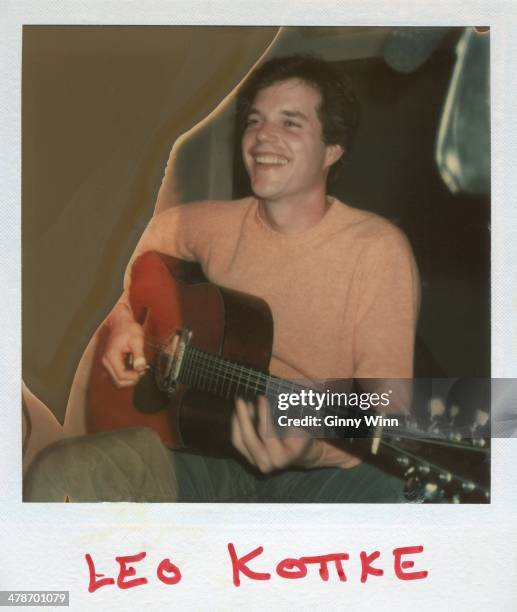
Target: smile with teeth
{"type": "Point", "coordinates": [271, 160]}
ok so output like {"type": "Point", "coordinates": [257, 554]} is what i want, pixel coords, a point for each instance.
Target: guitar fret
{"type": "Point", "coordinates": [201, 360]}
{"type": "Point", "coordinates": [207, 362]}
{"type": "Point", "coordinates": [220, 377]}
{"type": "Point", "coordinates": [230, 392]}
{"type": "Point", "coordinates": [202, 381]}
{"type": "Point", "coordinates": [248, 382]}
{"type": "Point", "coordinates": [218, 385]}
{"type": "Point", "coordinates": [190, 368]}
{"type": "Point", "coordinates": [205, 378]}
{"type": "Point", "coordinates": [240, 386]}
{"type": "Point", "coordinates": [195, 367]}
{"type": "Point", "coordinates": [216, 378]}
{"type": "Point", "coordinates": [184, 367]}
{"type": "Point", "coordinates": [227, 379]}
{"type": "Point", "coordinates": [262, 382]}
{"type": "Point", "coordinates": [196, 380]}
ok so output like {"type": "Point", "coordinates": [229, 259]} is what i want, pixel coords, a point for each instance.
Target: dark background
{"type": "Point", "coordinates": [391, 171]}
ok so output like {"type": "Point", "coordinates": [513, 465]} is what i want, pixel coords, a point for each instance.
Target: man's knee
{"type": "Point", "coordinates": [126, 465]}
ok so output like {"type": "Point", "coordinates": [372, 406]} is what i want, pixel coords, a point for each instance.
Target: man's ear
{"type": "Point", "coordinates": [332, 154]}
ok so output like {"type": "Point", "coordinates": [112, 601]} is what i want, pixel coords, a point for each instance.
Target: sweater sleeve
{"type": "Point", "coordinates": [387, 307]}
{"type": "Point", "coordinates": [196, 231]}
{"type": "Point", "coordinates": [181, 231]}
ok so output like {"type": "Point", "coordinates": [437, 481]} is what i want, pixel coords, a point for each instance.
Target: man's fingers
{"type": "Point", "coordinates": [139, 364]}
{"type": "Point", "coordinates": [136, 348]}
{"type": "Point", "coordinates": [121, 377]}
{"type": "Point", "coordinates": [125, 339]}
{"type": "Point", "coordinates": [237, 437]}
{"type": "Point", "coordinates": [251, 442]}
{"type": "Point", "coordinates": [263, 418]}
{"type": "Point", "coordinates": [261, 446]}
{"type": "Point", "coordinates": [281, 450]}
{"type": "Point", "coordinates": [237, 440]}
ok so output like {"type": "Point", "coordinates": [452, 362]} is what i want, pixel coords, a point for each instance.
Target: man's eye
{"type": "Point", "coordinates": [250, 122]}
{"type": "Point", "coordinates": [290, 123]}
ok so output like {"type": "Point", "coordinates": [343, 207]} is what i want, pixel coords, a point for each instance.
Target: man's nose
{"type": "Point", "coordinates": [266, 132]}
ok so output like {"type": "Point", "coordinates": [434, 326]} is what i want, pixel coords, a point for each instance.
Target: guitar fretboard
{"type": "Point", "coordinates": [227, 379]}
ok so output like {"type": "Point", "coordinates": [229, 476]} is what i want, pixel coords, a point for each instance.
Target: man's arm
{"type": "Point", "coordinates": [169, 233]}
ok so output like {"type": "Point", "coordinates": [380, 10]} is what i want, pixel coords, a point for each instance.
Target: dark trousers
{"type": "Point", "coordinates": [133, 465]}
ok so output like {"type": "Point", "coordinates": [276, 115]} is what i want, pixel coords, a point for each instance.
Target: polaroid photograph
{"type": "Point", "coordinates": [264, 302]}
{"type": "Point", "coordinates": [361, 295]}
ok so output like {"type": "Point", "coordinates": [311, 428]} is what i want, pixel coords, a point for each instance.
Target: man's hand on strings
{"type": "Point", "coordinates": [126, 339]}
{"type": "Point", "coordinates": [262, 447]}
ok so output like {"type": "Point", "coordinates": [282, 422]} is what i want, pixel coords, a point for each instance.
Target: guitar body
{"type": "Point", "coordinates": [205, 345]}
{"type": "Point", "coordinates": [168, 295]}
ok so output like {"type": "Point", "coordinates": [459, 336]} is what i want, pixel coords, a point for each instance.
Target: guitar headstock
{"type": "Point", "coordinates": [443, 452]}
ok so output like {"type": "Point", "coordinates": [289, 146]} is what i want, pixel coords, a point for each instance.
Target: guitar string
{"type": "Point", "coordinates": [203, 360]}
{"type": "Point", "coordinates": [213, 364]}
{"type": "Point", "coordinates": [225, 371]}
{"type": "Point", "coordinates": [208, 365]}
{"type": "Point", "coordinates": [212, 370]}
{"type": "Point", "coordinates": [223, 366]}
{"type": "Point", "coordinates": [263, 379]}
{"type": "Point", "coordinates": [220, 369]}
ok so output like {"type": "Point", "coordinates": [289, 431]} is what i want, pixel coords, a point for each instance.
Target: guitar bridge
{"type": "Point", "coordinates": [170, 361]}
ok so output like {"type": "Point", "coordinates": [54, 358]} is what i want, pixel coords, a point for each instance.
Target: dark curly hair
{"type": "Point", "coordinates": [339, 108]}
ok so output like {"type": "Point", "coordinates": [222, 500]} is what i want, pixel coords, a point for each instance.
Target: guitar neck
{"type": "Point", "coordinates": [227, 379]}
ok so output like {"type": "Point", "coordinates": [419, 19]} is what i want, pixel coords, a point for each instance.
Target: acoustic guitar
{"type": "Point", "coordinates": [205, 345]}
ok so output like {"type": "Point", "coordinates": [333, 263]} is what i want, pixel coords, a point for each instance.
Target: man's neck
{"type": "Point", "coordinates": [294, 215]}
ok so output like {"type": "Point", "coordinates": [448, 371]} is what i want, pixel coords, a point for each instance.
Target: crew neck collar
{"type": "Point", "coordinates": [315, 229]}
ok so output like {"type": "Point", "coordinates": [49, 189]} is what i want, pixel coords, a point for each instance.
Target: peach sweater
{"type": "Point", "coordinates": [344, 294]}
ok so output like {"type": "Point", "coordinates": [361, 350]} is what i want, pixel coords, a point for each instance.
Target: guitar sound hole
{"type": "Point", "coordinates": [147, 398]}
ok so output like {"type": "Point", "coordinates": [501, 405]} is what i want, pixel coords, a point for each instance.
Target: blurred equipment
{"type": "Point", "coordinates": [463, 145]}
{"type": "Point", "coordinates": [406, 49]}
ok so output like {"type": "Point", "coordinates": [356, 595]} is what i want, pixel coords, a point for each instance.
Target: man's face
{"type": "Point", "coordinates": [282, 146]}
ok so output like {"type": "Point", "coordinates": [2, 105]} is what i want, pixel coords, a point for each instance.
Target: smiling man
{"type": "Point", "coordinates": [341, 283]}
{"type": "Point", "coordinates": [285, 156]}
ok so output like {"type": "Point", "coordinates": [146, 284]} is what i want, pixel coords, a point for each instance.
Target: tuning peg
{"type": "Point", "coordinates": [413, 490]}
{"type": "Point", "coordinates": [482, 418]}
{"type": "Point", "coordinates": [445, 476]}
{"type": "Point", "coordinates": [436, 407]}
{"type": "Point", "coordinates": [433, 493]}
{"type": "Point", "coordinates": [468, 486]}
{"type": "Point", "coordinates": [454, 436]}
{"type": "Point", "coordinates": [454, 411]}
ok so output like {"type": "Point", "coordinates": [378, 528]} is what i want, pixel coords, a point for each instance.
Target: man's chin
{"type": "Point", "coordinates": [264, 192]}
{"type": "Point", "coordinates": [265, 196]}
